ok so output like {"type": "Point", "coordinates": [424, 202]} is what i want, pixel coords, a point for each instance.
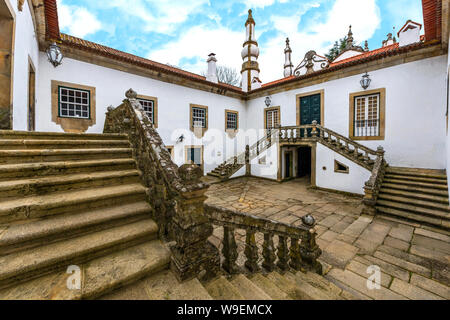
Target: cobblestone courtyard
{"type": "Point", "coordinates": [414, 259]}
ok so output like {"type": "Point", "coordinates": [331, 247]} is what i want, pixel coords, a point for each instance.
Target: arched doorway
{"type": "Point", "coordinates": [6, 64]}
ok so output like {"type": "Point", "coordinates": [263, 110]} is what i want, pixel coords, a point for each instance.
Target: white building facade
{"type": "Point", "coordinates": [404, 109]}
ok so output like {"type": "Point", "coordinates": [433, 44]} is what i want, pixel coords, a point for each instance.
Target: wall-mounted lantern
{"type": "Point", "coordinates": [54, 55]}
{"type": "Point", "coordinates": [268, 101]}
{"type": "Point", "coordinates": [365, 81]}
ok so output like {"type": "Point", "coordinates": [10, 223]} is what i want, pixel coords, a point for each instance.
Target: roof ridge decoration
{"type": "Point", "coordinates": [311, 57]}
{"type": "Point", "coordinates": [350, 41]}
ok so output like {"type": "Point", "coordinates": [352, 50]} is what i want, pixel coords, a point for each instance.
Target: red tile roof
{"type": "Point", "coordinates": [136, 60]}
{"type": "Point", "coordinates": [365, 57]}
{"type": "Point", "coordinates": [432, 15]}
{"type": "Point", "coordinates": [51, 20]}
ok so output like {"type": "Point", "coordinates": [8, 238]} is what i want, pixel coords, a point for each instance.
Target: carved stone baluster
{"type": "Point", "coordinates": [229, 250]}
{"type": "Point", "coordinates": [294, 254]}
{"type": "Point", "coordinates": [309, 250]}
{"type": "Point", "coordinates": [283, 254]}
{"type": "Point", "coordinates": [268, 252]}
{"type": "Point", "coordinates": [191, 228]}
{"type": "Point", "coordinates": [251, 252]}
{"type": "Point", "coordinates": [314, 132]}
{"type": "Point", "coordinates": [366, 156]}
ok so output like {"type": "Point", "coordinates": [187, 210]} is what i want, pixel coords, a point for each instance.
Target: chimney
{"type": "Point", "coordinates": [432, 11]}
{"type": "Point", "coordinates": [409, 33]}
{"type": "Point", "coordinates": [212, 68]}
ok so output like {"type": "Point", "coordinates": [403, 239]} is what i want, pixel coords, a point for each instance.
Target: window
{"type": "Point", "coordinates": [170, 149]}
{"type": "Point", "coordinates": [272, 118]}
{"type": "Point", "coordinates": [198, 119]}
{"type": "Point", "coordinates": [339, 167]}
{"type": "Point", "coordinates": [74, 103]}
{"type": "Point", "coordinates": [231, 120]}
{"type": "Point", "coordinates": [148, 106]}
{"type": "Point", "coordinates": [194, 154]}
{"type": "Point", "coordinates": [367, 115]}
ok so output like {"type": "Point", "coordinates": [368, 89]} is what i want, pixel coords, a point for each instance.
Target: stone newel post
{"type": "Point", "coordinates": [248, 171]}
{"type": "Point", "coordinates": [192, 252]}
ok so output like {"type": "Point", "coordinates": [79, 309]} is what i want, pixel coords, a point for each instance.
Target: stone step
{"type": "Point", "coordinates": [269, 287]}
{"type": "Point", "coordinates": [287, 286]}
{"type": "Point", "coordinates": [69, 202]}
{"type": "Point", "coordinates": [43, 185]}
{"type": "Point", "coordinates": [101, 275]}
{"type": "Point", "coordinates": [416, 184]}
{"type": "Point", "coordinates": [28, 156]}
{"type": "Point", "coordinates": [17, 237]}
{"type": "Point", "coordinates": [415, 202]}
{"type": "Point", "coordinates": [25, 265]}
{"type": "Point", "coordinates": [434, 221]}
{"type": "Point", "coordinates": [313, 290]}
{"type": "Point", "coordinates": [430, 173]}
{"type": "Point", "coordinates": [27, 135]}
{"type": "Point", "coordinates": [161, 286]}
{"type": "Point", "coordinates": [221, 289]}
{"type": "Point", "coordinates": [414, 209]}
{"type": "Point", "coordinates": [34, 144]}
{"type": "Point", "coordinates": [417, 179]}
{"type": "Point", "coordinates": [419, 190]}
{"type": "Point", "coordinates": [248, 289]}
{"type": "Point", "coordinates": [415, 195]}
{"type": "Point", "coordinates": [322, 283]}
{"type": "Point", "coordinates": [39, 169]}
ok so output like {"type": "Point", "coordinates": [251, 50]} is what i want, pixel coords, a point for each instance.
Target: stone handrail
{"type": "Point", "coordinates": [302, 253]}
{"type": "Point", "coordinates": [348, 148]}
{"type": "Point", "coordinates": [176, 194]}
{"type": "Point", "coordinates": [373, 185]}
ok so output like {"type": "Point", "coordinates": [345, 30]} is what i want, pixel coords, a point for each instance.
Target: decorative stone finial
{"type": "Point", "coordinates": [349, 38]}
{"type": "Point", "coordinates": [309, 220]}
{"type": "Point", "coordinates": [366, 45]}
{"type": "Point", "coordinates": [131, 94]}
{"type": "Point", "coordinates": [250, 18]}
{"type": "Point", "coordinates": [190, 173]}
{"type": "Point", "coordinates": [314, 123]}
{"type": "Point", "coordinates": [380, 150]}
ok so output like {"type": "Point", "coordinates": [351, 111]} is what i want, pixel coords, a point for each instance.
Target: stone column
{"type": "Point", "coordinates": [309, 250]}
{"type": "Point", "coordinates": [248, 168]}
{"type": "Point", "coordinates": [192, 253]}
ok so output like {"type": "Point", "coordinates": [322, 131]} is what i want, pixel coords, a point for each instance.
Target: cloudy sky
{"type": "Point", "coordinates": [184, 32]}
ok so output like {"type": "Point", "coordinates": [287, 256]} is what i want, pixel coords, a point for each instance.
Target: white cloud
{"type": "Point", "coordinates": [162, 16]}
{"type": "Point", "coordinates": [364, 16]}
{"type": "Point", "coordinates": [199, 41]}
{"type": "Point", "coordinates": [78, 21]}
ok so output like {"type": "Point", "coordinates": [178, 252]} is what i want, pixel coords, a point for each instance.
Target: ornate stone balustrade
{"type": "Point", "coordinates": [372, 187]}
{"type": "Point", "coordinates": [176, 194]}
{"type": "Point", "coordinates": [297, 247]}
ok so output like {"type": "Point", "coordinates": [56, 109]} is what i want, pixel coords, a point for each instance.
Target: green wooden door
{"type": "Point", "coordinates": [310, 109]}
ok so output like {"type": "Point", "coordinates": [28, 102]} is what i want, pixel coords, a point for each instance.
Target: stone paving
{"type": "Point", "coordinates": [414, 260]}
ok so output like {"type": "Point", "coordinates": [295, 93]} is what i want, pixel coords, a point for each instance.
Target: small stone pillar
{"type": "Point", "coordinates": [192, 253]}
{"type": "Point", "coordinates": [314, 132]}
{"type": "Point", "coordinates": [309, 250]}
{"type": "Point", "coordinates": [248, 168]}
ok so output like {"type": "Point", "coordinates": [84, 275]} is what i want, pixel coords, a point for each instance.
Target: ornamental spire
{"type": "Point", "coordinates": [250, 18]}
{"type": "Point", "coordinates": [288, 66]}
{"type": "Point", "coordinates": [250, 54]}
{"type": "Point", "coordinates": [349, 38]}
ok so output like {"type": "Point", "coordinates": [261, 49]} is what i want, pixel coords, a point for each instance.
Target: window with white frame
{"type": "Point", "coordinates": [232, 120]}
{"type": "Point", "coordinates": [149, 108]}
{"type": "Point", "coordinates": [272, 118]}
{"type": "Point", "coordinates": [74, 103]}
{"type": "Point", "coordinates": [198, 117]}
{"type": "Point", "coordinates": [367, 116]}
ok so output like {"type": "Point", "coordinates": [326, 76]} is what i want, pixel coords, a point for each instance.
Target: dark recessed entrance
{"type": "Point", "coordinates": [303, 161]}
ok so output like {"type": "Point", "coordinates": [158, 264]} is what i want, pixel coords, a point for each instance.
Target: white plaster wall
{"type": "Point", "coordinates": [448, 124]}
{"type": "Point", "coordinates": [415, 106]}
{"type": "Point", "coordinates": [270, 169]}
{"type": "Point", "coordinates": [173, 107]}
{"type": "Point", "coordinates": [25, 49]}
{"type": "Point", "coordinates": [352, 182]}
{"type": "Point", "coordinates": [239, 173]}
{"type": "Point", "coordinates": [347, 54]}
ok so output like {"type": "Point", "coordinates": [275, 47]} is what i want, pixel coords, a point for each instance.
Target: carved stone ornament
{"type": "Point", "coordinates": [308, 62]}
{"type": "Point", "coordinates": [131, 94]}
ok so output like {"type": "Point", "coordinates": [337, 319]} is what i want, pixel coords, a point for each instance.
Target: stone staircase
{"type": "Point", "coordinates": [73, 200]}
{"type": "Point", "coordinates": [415, 194]}
{"type": "Point", "coordinates": [259, 286]}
